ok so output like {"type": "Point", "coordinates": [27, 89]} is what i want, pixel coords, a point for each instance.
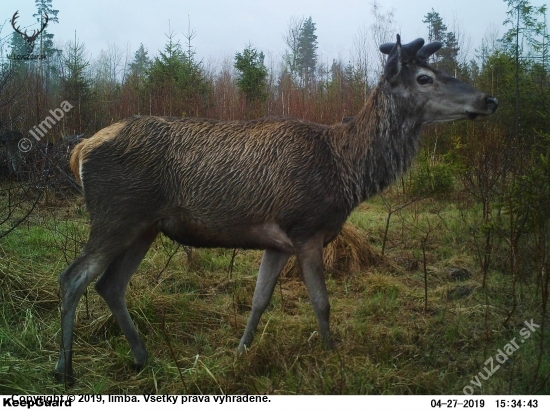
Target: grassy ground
{"type": "Point", "coordinates": [191, 315]}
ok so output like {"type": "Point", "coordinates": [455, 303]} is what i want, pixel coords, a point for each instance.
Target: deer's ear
{"type": "Point", "coordinates": [394, 62]}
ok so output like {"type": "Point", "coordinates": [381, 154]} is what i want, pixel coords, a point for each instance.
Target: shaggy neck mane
{"type": "Point", "coordinates": [379, 144]}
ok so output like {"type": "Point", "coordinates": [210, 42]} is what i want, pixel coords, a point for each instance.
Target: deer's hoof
{"type": "Point", "coordinates": [62, 377]}
{"type": "Point", "coordinates": [242, 350]}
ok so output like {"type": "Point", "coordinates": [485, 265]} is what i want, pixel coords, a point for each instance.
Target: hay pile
{"type": "Point", "coordinates": [347, 254]}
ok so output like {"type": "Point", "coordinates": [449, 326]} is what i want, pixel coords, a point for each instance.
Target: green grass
{"type": "Point", "coordinates": [387, 343]}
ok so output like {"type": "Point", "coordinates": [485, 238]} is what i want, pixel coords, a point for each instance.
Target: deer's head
{"type": "Point", "coordinates": [442, 97]}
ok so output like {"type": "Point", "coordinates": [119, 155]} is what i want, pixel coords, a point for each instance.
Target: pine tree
{"type": "Point", "coordinates": [446, 58]}
{"type": "Point", "coordinates": [436, 29]}
{"type": "Point", "coordinates": [301, 59]}
{"type": "Point", "coordinates": [306, 60]}
{"type": "Point", "coordinates": [180, 76]}
{"type": "Point", "coordinates": [76, 85]}
{"type": "Point", "coordinates": [141, 63]}
{"type": "Point", "coordinates": [44, 7]}
{"type": "Point", "coordinates": [19, 47]}
{"type": "Point", "coordinates": [176, 67]}
{"type": "Point", "coordinates": [76, 81]}
{"type": "Point", "coordinates": [292, 41]}
{"type": "Point", "coordinates": [252, 74]}
{"type": "Point", "coordinates": [448, 54]}
{"type": "Point", "coordinates": [166, 67]}
{"type": "Point", "coordinates": [526, 27]}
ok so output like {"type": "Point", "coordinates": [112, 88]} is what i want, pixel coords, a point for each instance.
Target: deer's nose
{"type": "Point", "coordinates": [492, 103]}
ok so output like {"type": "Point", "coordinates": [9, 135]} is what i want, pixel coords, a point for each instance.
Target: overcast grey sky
{"type": "Point", "coordinates": [225, 27]}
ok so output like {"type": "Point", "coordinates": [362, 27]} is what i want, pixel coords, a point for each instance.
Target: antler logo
{"type": "Point", "coordinates": [29, 39]}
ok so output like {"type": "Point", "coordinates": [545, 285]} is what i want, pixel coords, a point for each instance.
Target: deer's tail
{"type": "Point", "coordinates": [76, 161]}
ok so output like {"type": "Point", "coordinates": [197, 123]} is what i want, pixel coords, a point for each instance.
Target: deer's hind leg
{"type": "Point", "coordinates": [310, 259]}
{"type": "Point", "coordinates": [273, 262]}
{"type": "Point", "coordinates": [111, 286]}
{"type": "Point", "coordinates": [102, 249]}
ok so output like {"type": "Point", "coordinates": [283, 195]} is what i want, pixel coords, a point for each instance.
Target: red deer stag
{"type": "Point", "coordinates": [281, 185]}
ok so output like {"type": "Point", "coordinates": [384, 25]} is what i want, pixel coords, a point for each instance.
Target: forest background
{"type": "Point", "coordinates": [478, 197]}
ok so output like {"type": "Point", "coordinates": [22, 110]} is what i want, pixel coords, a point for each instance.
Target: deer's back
{"type": "Point", "coordinates": [206, 176]}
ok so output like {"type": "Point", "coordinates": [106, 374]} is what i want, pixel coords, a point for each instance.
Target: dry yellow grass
{"type": "Point", "coordinates": [349, 253]}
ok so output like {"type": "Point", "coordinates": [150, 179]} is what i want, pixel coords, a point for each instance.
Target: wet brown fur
{"type": "Point", "coordinates": [210, 183]}
{"type": "Point", "coordinates": [281, 185]}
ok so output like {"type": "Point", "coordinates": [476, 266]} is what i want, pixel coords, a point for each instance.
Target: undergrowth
{"type": "Point", "coordinates": [191, 308]}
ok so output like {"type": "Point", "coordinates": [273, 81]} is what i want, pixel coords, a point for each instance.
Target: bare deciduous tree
{"type": "Point", "coordinates": [292, 40]}
{"type": "Point", "coordinates": [382, 30]}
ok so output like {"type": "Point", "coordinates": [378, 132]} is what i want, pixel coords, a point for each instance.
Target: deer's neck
{"type": "Point", "coordinates": [380, 143]}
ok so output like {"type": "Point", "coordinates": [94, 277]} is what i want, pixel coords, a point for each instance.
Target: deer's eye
{"type": "Point", "coordinates": [423, 79]}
